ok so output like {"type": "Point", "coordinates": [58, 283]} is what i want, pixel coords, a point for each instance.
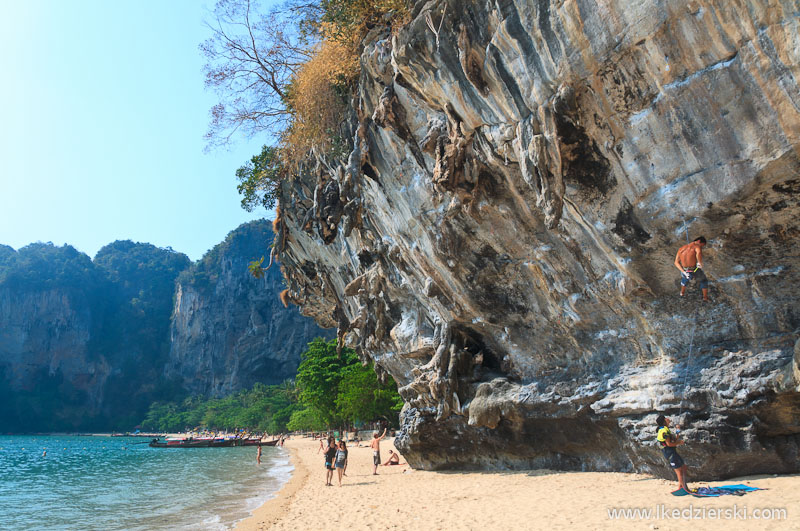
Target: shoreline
{"type": "Point", "coordinates": [273, 509]}
{"type": "Point", "coordinates": [400, 497]}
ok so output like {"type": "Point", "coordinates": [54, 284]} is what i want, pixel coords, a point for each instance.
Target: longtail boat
{"type": "Point", "coordinates": [256, 442]}
{"type": "Point", "coordinates": [208, 442]}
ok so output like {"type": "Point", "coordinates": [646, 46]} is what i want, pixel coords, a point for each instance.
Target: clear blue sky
{"type": "Point", "coordinates": [102, 116]}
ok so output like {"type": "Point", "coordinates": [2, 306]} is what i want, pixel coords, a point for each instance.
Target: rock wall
{"type": "Point", "coordinates": [229, 330]}
{"type": "Point", "coordinates": [501, 238]}
{"type": "Point", "coordinates": [90, 345]}
{"type": "Point", "coordinates": [48, 332]}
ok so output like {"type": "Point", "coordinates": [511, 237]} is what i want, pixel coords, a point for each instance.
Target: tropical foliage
{"type": "Point", "coordinates": [337, 390]}
{"type": "Point", "coordinates": [288, 73]}
{"type": "Point", "coordinates": [265, 408]}
{"type": "Point", "coordinates": [330, 391]}
{"type": "Point", "coordinates": [259, 179]}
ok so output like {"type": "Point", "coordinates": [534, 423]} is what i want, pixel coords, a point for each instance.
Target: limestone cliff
{"type": "Point", "coordinates": [501, 238]}
{"type": "Point", "coordinates": [46, 333]}
{"type": "Point", "coordinates": [229, 330]}
{"type": "Point", "coordinates": [90, 344]}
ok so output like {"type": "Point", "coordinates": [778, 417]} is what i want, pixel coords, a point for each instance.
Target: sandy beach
{"type": "Point", "coordinates": [402, 498]}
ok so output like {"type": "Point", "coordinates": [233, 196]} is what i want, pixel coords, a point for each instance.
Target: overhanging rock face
{"type": "Point", "coordinates": [501, 238]}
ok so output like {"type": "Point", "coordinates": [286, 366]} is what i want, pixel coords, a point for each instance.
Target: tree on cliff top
{"type": "Point", "coordinates": [287, 72]}
{"type": "Point", "coordinates": [259, 179]}
{"type": "Point", "coordinates": [250, 58]}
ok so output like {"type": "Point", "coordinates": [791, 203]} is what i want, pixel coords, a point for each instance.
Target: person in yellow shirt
{"type": "Point", "coordinates": [669, 441]}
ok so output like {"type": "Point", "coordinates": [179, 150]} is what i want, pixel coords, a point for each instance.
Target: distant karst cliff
{"type": "Point", "coordinates": [501, 237]}
{"type": "Point", "coordinates": [89, 345]}
{"type": "Point", "coordinates": [229, 329]}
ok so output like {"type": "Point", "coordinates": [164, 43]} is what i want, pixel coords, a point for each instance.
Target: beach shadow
{"type": "Point", "coordinates": [531, 473]}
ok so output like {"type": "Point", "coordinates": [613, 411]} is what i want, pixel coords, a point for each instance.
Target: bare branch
{"type": "Point", "coordinates": [250, 61]}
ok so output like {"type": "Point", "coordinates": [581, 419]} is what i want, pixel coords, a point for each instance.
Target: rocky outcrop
{"type": "Point", "coordinates": [229, 329]}
{"type": "Point", "coordinates": [82, 342]}
{"type": "Point", "coordinates": [46, 333]}
{"type": "Point", "coordinates": [501, 238]}
{"type": "Point", "coordinates": [90, 345]}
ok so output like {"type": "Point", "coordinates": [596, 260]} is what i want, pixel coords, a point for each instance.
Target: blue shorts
{"type": "Point", "coordinates": [671, 454]}
{"type": "Point", "coordinates": [698, 274]}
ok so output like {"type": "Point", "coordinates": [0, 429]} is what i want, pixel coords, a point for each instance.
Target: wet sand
{"type": "Point", "coordinates": [402, 498]}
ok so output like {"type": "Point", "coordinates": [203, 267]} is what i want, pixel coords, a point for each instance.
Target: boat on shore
{"type": "Point", "coordinates": [208, 442]}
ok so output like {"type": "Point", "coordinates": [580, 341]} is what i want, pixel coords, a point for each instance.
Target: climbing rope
{"type": "Point", "coordinates": [435, 31]}
{"type": "Point", "coordinates": [691, 341]}
{"type": "Point", "coordinates": [688, 360]}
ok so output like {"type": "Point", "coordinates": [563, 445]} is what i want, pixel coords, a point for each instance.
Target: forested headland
{"type": "Point", "coordinates": [89, 344]}
{"type": "Point", "coordinates": [331, 391]}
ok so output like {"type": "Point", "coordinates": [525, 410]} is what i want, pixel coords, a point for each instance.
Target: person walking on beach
{"type": "Point", "coordinates": [375, 444]}
{"type": "Point", "coordinates": [330, 456]}
{"type": "Point", "coordinates": [689, 262]}
{"type": "Point", "coordinates": [258, 454]}
{"type": "Point", "coordinates": [341, 460]}
{"type": "Point", "coordinates": [669, 441]}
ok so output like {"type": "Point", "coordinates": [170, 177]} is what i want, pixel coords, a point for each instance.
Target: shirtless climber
{"type": "Point", "coordinates": [689, 262]}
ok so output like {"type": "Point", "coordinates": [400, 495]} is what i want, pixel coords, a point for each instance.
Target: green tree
{"type": "Point", "coordinates": [305, 419]}
{"type": "Point", "coordinates": [318, 378]}
{"type": "Point", "coordinates": [339, 389]}
{"type": "Point", "coordinates": [259, 179]}
{"type": "Point", "coordinates": [362, 397]}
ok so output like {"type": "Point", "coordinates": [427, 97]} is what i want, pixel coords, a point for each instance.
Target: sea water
{"type": "Point", "coordinates": [96, 482]}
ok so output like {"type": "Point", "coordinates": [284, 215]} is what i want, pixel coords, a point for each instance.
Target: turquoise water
{"type": "Point", "coordinates": [120, 483]}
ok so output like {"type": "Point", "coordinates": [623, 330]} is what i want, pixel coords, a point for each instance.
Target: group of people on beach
{"type": "Point", "coordinates": [335, 459]}
{"type": "Point", "coordinates": [336, 456]}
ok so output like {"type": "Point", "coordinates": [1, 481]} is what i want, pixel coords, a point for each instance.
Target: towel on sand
{"type": "Point", "coordinates": [724, 490]}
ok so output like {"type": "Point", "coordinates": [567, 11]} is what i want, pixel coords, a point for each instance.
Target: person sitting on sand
{"type": "Point", "coordinates": [330, 456]}
{"type": "Point", "coordinates": [375, 444]}
{"type": "Point", "coordinates": [669, 441]}
{"type": "Point", "coordinates": [394, 459]}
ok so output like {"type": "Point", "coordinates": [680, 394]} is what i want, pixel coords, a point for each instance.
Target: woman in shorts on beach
{"type": "Point", "coordinates": [330, 456]}
{"type": "Point", "coordinates": [341, 459]}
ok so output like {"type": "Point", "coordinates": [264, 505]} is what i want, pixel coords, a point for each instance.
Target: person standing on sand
{"type": "Point", "coordinates": [330, 457]}
{"type": "Point", "coordinates": [341, 460]}
{"type": "Point", "coordinates": [669, 441]}
{"type": "Point", "coordinates": [689, 262]}
{"type": "Point", "coordinates": [375, 444]}
{"type": "Point", "coordinates": [258, 454]}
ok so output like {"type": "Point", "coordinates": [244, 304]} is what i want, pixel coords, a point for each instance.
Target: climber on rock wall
{"type": "Point", "coordinates": [689, 262]}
